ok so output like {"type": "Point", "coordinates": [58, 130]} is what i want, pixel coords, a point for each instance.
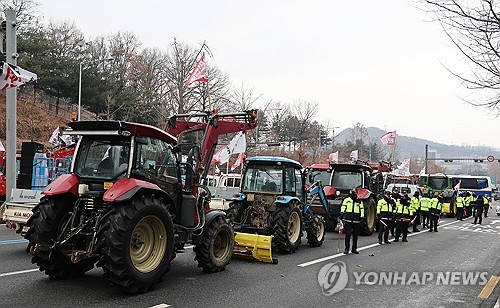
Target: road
{"type": "Point", "coordinates": [461, 258]}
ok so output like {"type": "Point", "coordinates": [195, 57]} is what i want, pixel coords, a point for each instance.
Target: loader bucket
{"type": "Point", "coordinates": [254, 246]}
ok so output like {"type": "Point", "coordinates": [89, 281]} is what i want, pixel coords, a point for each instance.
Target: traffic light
{"type": "Point", "coordinates": [478, 160]}
{"type": "Point", "coordinates": [448, 160]}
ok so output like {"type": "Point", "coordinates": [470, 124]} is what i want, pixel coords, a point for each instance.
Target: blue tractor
{"type": "Point", "coordinates": [273, 201]}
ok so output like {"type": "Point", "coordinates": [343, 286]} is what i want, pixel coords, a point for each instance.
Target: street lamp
{"type": "Point", "coordinates": [80, 82]}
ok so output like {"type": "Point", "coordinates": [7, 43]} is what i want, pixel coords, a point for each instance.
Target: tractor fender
{"type": "Point", "coordinates": [285, 200]}
{"type": "Point", "coordinates": [66, 183]}
{"type": "Point", "coordinates": [239, 197]}
{"type": "Point", "coordinates": [125, 188]}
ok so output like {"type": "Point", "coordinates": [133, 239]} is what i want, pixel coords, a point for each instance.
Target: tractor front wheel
{"type": "Point", "coordinates": [138, 243]}
{"type": "Point", "coordinates": [215, 246]}
{"type": "Point", "coordinates": [368, 225]}
{"type": "Point", "coordinates": [316, 231]}
{"type": "Point", "coordinates": [287, 221]}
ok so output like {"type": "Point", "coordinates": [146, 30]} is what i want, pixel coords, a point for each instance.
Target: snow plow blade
{"type": "Point", "coordinates": [254, 247]}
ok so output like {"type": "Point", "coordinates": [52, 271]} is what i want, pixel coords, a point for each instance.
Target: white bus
{"type": "Point", "coordinates": [480, 185]}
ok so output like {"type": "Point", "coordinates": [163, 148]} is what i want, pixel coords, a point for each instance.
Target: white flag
{"type": "Point", "coordinates": [54, 138]}
{"type": "Point", "coordinates": [2, 148]}
{"type": "Point", "coordinates": [422, 172]}
{"type": "Point", "coordinates": [67, 140]}
{"type": "Point", "coordinates": [11, 78]}
{"type": "Point", "coordinates": [333, 158]}
{"type": "Point", "coordinates": [237, 145]}
{"type": "Point", "coordinates": [457, 187]}
{"type": "Point", "coordinates": [404, 168]}
{"type": "Point", "coordinates": [354, 155]}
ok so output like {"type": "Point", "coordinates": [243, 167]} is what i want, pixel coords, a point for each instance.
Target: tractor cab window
{"type": "Point", "coordinates": [347, 179]}
{"type": "Point", "coordinates": [299, 185]}
{"type": "Point", "coordinates": [154, 159]}
{"type": "Point", "coordinates": [263, 178]}
{"type": "Point", "coordinates": [105, 158]}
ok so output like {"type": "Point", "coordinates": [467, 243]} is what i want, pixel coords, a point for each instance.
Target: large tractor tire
{"type": "Point", "coordinates": [316, 231]}
{"type": "Point", "coordinates": [137, 242]}
{"type": "Point", "coordinates": [287, 222]}
{"type": "Point", "coordinates": [215, 246]}
{"type": "Point", "coordinates": [47, 222]}
{"type": "Point", "coordinates": [368, 225]}
{"type": "Point", "coordinates": [234, 212]}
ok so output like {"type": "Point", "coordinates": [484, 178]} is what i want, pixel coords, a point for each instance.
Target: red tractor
{"type": "Point", "coordinates": [123, 205]}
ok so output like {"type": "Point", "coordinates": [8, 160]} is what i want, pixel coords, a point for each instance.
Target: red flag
{"type": "Point", "coordinates": [199, 72]}
{"type": "Point", "coordinates": [238, 161]}
{"type": "Point", "coordinates": [217, 156]}
{"type": "Point", "coordinates": [389, 138]}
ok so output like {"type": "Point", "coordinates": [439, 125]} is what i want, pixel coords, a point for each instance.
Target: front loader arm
{"type": "Point", "coordinates": [214, 125]}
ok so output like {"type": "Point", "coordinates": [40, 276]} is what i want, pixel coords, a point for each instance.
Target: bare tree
{"type": "Point", "coordinates": [27, 15]}
{"type": "Point", "coordinates": [474, 28]}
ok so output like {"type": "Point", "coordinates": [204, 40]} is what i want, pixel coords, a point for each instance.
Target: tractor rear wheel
{"type": "Point", "coordinates": [47, 222]}
{"type": "Point", "coordinates": [287, 222]}
{"type": "Point", "coordinates": [137, 243]}
{"type": "Point", "coordinates": [316, 231]}
{"type": "Point", "coordinates": [215, 246]}
{"type": "Point", "coordinates": [368, 225]}
{"type": "Point", "coordinates": [234, 212]}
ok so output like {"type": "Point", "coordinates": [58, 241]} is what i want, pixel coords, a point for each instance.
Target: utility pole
{"type": "Point", "coordinates": [11, 106]}
{"type": "Point", "coordinates": [426, 157]}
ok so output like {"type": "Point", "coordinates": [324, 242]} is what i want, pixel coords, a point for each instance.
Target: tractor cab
{"type": "Point", "coordinates": [109, 151]}
{"type": "Point", "coordinates": [272, 176]}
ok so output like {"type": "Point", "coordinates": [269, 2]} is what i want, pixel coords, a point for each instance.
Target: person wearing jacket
{"type": "Point", "coordinates": [479, 210]}
{"type": "Point", "coordinates": [425, 204]}
{"type": "Point", "coordinates": [435, 211]}
{"type": "Point", "coordinates": [385, 216]}
{"type": "Point", "coordinates": [415, 207]}
{"type": "Point", "coordinates": [460, 206]}
{"type": "Point", "coordinates": [486, 205]}
{"type": "Point", "coordinates": [352, 213]}
{"type": "Point", "coordinates": [403, 216]}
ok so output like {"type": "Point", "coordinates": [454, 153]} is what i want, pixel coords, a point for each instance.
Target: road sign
{"type": "Point", "coordinates": [490, 158]}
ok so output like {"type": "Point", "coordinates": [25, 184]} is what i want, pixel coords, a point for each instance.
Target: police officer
{"type": "Point", "coordinates": [396, 199]}
{"type": "Point", "coordinates": [479, 210]}
{"type": "Point", "coordinates": [403, 215]}
{"type": "Point", "coordinates": [435, 211]}
{"type": "Point", "coordinates": [468, 204]}
{"type": "Point", "coordinates": [385, 215]}
{"type": "Point", "coordinates": [425, 205]}
{"type": "Point", "coordinates": [460, 206]}
{"type": "Point", "coordinates": [474, 204]}
{"type": "Point", "coordinates": [352, 212]}
{"type": "Point", "coordinates": [486, 205]}
{"type": "Point", "coordinates": [415, 207]}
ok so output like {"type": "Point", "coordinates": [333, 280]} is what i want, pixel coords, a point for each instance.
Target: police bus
{"type": "Point", "coordinates": [480, 185]}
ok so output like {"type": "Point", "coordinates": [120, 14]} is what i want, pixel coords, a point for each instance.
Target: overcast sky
{"type": "Point", "coordinates": [379, 63]}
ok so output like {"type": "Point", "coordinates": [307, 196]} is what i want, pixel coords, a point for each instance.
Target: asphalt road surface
{"type": "Point", "coordinates": [455, 267]}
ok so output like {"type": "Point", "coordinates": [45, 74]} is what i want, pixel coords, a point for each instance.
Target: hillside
{"type": "Point", "coordinates": [36, 117]}
{"type": "Point", "coordinates": [408, 147]}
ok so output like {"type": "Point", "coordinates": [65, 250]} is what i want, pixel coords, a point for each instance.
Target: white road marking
{"type": "Point", "coordinates": [364, 248]}
{"type": "Point", "coordinates": [160, 306]}
{"type": "Point", "coordinates": [19, 272]}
